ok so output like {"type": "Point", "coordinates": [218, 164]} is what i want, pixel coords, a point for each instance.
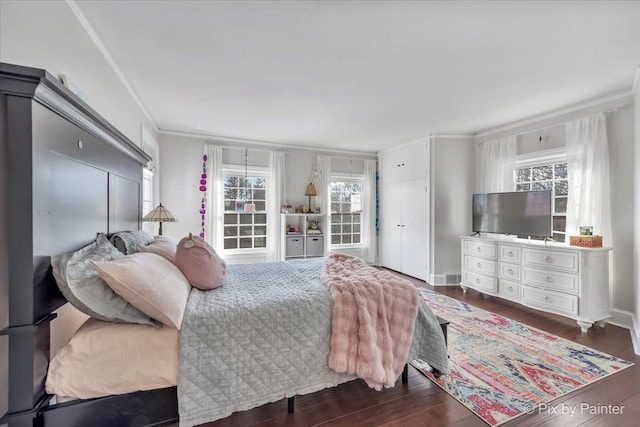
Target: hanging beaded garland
{"type": "Point", "coordinates": [203, 189]}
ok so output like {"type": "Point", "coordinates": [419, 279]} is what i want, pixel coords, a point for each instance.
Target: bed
{"type": "Point", "coordinates": [66, 175]}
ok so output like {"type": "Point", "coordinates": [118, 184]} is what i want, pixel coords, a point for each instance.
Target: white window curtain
{"type": "Point", "coordinates": [214, 197]}
{"type": "Point", "coordinates": [588, 168]}
{"type": "Point", "coordinates": [497, 162]}
{"type": "Point", "coordinates": [324, 187]}
{"type": "Point", "coordinates": [275, 196]}
{"type": "Point", "coordinates": [368, 230]}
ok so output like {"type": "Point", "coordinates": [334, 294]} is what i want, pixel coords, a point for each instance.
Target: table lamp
{"type": "Point", "coordinates": [159, 214]}
{"type": "Point", "coordinates": [311, 191]}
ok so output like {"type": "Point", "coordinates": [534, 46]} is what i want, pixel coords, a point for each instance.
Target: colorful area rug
{"type": "Point", "coordinates": [501, 369]}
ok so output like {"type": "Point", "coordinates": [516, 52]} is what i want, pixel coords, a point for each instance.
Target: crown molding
{"type": "Point", "coordinates": [452, 136]}
{"type": "Point", "coordinates": [611, 101]}
{"type": "Point", "coordinates": [227, 139]}
{"type": "Point", "coordinates": [105, 52]}
{"type": "Point", "coordinates": [424, 138]}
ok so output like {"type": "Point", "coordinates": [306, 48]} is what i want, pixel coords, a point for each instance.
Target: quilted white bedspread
{"type": "Point", "coordinates": [265, 336]}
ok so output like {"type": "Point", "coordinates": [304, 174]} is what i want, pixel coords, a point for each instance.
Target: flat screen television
{"type": "Point", "coordinates": [524, 213]}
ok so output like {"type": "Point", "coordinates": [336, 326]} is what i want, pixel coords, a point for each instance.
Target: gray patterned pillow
{"type": "Point", "coordinates": [83, 287]}
{"type": "Point", "coordinates": [130, 242]}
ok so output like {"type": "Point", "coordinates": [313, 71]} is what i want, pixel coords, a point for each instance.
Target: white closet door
{"type": "Point", "coordinates": [415, 230]}
{"type": "Point", "coordinates": [390, 226]}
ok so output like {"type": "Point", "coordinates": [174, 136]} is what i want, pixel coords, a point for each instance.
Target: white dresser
{"type": "Point", "coordinates": [557, 278]}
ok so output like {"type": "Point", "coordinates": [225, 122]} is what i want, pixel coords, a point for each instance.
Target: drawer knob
{"type": "Point", "coordinates": [548, 299]}
{"type": "Point", "coordinates": [510, 254]}
{"type": "Point", "coordinates": [549, 259]}
{"type": "Point", "coordinates": [549, 279]}
{"type": "Point", "coordinates": [477, 280]}
{"type": "Point", "coordinates": [479, 265]}
{"type": "Point", "coordinates": [510, 271]}
{"type": "Point", "coordinates": [510, 288]}
{"type": "Point", "coordinates": [478, 249]}
{"type": "Point", "coordinates": [80, 144]}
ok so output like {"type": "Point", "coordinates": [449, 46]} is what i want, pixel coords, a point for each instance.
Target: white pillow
{"type": "Point", "coordinates": [150, 283]}
{"type": "Point", "coordinates": [105, 358]}
{"type": "Point", "coordinates": [82, 286]}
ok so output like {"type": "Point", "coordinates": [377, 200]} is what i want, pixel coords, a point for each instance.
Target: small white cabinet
{"type": "Point", "coordinates": [560, 279]}
{"type": "Point", "coordinates": [307, 242]}
{"type": "Point", "coordinates": [404, 164]}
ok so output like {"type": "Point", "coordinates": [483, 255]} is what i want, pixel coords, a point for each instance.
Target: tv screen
{"type": "Point", "coordinates": [524, 213]}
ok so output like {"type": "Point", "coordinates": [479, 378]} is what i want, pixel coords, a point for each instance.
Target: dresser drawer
{"type": "Point", "coordinates": [481, 249]}
{"type": "Point", "coordinates": [480, 282]}
{"type": "Point", "coordinates": [548, 279]}
{"type": "Point", "coordinates": [509, 271]}
{"type": "Point", "coordinates": [509, 289]}
{"type": "Point", "coordinates": [551, 259]}
{"type": "Point", "coordinates": [480, 265]}
{"type": "Point", "coordinates": [510, 253]}
{"type": "Point", "coordinates": [556, 302]}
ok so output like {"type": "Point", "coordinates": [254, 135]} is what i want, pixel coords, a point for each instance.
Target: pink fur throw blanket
{"type": "Point", "coordinates": [374, 316]}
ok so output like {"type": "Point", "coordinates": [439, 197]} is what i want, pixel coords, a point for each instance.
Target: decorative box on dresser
{"type": "Point", "coordinates": [566, 280]}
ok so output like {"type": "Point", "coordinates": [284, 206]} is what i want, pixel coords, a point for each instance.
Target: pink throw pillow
{"type": "Point", "coordinates": [200, 263]}
{"type": "Point", "coordinates": [163, 246]}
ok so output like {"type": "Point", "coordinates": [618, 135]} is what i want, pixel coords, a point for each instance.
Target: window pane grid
{"type": "Point", "coordinates": [345, 229]}
{"type": "Point", "coordinates": [552, 177]}
{"type": "Point", "coordinates": [346, 209]}
{"type": "Point", "coordinates": [244, 230]}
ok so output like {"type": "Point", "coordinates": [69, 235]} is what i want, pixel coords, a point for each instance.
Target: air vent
{"type": "Point", "coordinates": [452, 278]}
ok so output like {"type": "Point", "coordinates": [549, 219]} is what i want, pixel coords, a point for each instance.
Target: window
{"type": "Point", "coordinates": [147, 191]}
{"type": "Point", "coordinates": [346, 210]}
{"type": "Point", "coordinates": [245, 230]}
{"type": "Point", "coordinates": [548, 177]}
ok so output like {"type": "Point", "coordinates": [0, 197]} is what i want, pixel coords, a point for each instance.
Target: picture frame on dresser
{"type": "Point", "coordinates": [566, 280]}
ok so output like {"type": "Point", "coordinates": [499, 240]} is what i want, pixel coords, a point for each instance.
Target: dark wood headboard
{"type": "Point", "coordinates": [66, 174]}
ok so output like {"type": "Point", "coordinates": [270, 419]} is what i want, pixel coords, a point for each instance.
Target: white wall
{"type": "Point", "coordinates": [636, 215]}
{"type": "Point", "coordinates": [620, 135]}
{"type": "Point", "coordinates": [47, 34]}
{"type": "Point", "coordinates": [620, 125]}
{"type": "Point", "coordinates": [181, 162]}
{"type": "Point", "coordinates": [452, 187]}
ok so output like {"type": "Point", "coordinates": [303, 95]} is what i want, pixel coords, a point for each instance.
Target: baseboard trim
{"type": "Point", "coordinates": [437, 280]}
{"type": "Point", "coordinates": [441, 279]}
{"type": "Point", "coordinates": [622, 318]}
{"type": "Point", "coordinates": [635, 335]}
{"type": "Point", "coordinates": [628, 320]}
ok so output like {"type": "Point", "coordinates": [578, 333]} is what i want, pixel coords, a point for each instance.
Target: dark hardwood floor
{"type": "Point", "coordinates": [422, 403]}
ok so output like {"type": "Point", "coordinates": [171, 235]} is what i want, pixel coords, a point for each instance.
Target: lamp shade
{"type": "Point", "coordinates": [159, 214]}
{"type": "Point", "coordinates": [311, 190]}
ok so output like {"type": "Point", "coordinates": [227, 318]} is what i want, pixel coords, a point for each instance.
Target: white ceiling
{"type": "Point", "coordinates": [364, 75]}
